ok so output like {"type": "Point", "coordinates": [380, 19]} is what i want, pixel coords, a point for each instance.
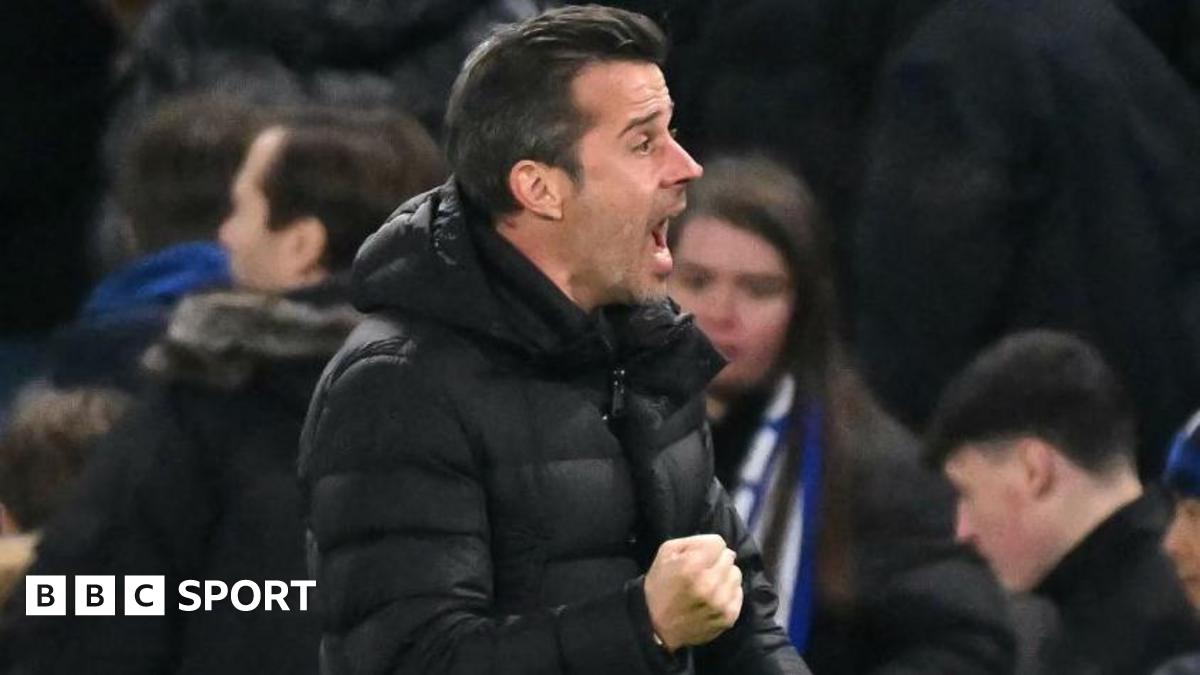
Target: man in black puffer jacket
{"type": "Point", "coordinates": [506, 466]}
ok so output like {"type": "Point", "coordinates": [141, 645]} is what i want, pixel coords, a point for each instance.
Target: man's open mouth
{"type": "Point", "coordinates": [659, 233]}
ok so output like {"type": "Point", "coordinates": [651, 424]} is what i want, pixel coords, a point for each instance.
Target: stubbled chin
{"type": "Point", "coordinates": [650, 292]}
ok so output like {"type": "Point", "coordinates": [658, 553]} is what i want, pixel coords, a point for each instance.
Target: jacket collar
{"type": "Point", "coordinates": [1098, 560]}
{"type": "Point", "coordinates": [223, 339]}
{"type": "Point", "coordinates": [440, 258]}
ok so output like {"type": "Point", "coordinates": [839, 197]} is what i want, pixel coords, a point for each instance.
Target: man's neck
{"type": "Point", "coordinates": [546, 255]}
{"type": "Point", "coordinates": [1094, 501]}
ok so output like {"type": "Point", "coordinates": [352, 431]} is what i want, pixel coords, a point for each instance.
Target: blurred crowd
{"type": "Point", "coordinates": [951, 249]}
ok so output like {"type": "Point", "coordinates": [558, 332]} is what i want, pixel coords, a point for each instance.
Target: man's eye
{"type": "Point", "coordinates": [643, 147]}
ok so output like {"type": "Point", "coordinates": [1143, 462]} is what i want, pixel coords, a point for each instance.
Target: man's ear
{"type": "Point", "coordinates": [1039, 464]}
{"type": "Point", "coordinates": [305, 241]}
{"type": "Point", "coordinates": [538, 188]}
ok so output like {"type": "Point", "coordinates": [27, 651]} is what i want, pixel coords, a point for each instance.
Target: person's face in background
{"type": "Point", "coordinates": [255, 252]}
{"type": "Point", "coordinates": [740, 289]}
{"type": "Point", "coordinates": [263, 258]}
{"type": "Point", "coordinates": [997, 513]}
{"type": "Point", "coordinates": [1182, 543]}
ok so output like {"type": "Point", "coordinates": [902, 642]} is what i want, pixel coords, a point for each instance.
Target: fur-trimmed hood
{"type": "Point", "coordinates": [223, 339]}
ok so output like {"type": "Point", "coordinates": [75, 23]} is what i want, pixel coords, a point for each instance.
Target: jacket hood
{"type": "Point", "coordinates": [424, 262]}
{"type": "Point", "coordinates": [438, 258]}
{"type": "Point", "coordinates": [223, 339]}
{"type": "Point", "coordinates": [159, 279]}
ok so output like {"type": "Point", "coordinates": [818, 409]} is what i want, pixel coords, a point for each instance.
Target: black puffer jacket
{"type": "Point", "coordinates": [197, 483]}
{"type": "Point", "coordinates": [490, 470]}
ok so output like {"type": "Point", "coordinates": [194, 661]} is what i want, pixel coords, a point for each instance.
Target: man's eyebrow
{"type": "Point", "coordinates": [648, 117]}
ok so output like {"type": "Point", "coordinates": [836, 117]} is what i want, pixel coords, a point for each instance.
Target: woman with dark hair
{"type": "Point", "coordinates": [856, 533]}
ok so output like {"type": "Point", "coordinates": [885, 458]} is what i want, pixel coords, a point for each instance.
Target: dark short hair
{"type": "Point", "coordinates": [173, 177]}
{"type": "Point", "coordinates": [350, 170]}
{"type": "Point", "coordinates": [513, 99]}
{"type": "Point", "coordinates": [1042, 384]}
{"type": "Point", "coordinates": [46, 441]}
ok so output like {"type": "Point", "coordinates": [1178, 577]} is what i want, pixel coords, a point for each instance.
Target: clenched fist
{"type": "Point", "coordinates": [693, 590]}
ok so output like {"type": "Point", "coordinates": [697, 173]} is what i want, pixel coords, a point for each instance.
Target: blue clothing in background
{"type": "Point", "coordinates": [127, 311]}
{"type": "Point", "coordinates": [159, 279]}
{"type": "Point", "coordinates": [1182, 474]}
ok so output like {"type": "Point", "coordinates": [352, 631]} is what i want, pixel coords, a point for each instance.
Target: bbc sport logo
{"type": "Point", "coordinates": [145, 595]}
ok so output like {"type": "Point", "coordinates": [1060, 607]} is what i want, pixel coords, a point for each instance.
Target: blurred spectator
{"type": "Point", "coordinates": [1033, 164]}
{"type": "Point", "coordinates": [42, 452]}
{"type": "Point", "coordinates": [200, 483]}
{"type": "Point", "coordinates": [803, 72]}
{"type": "Point", "coordinates": [173, 186]}
{"type": "Point", "coordinates": [1075, 110]}
{"type": "Point", "coordinates": [856, 533]}
{"type": "Point", "coordinates": [388, 53]}
{"type": "Point", "coordinates": [1182, 477]}
{"type": "Point", "coordinates": [1037, 435]}
{"type": "Point", "coordinates": [1182, 541]}
{"type": "Point", "coordinates": [344, 52]}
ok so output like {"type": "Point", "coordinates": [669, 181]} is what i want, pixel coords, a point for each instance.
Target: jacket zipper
{"type": "Point", "coordinates": [617, 388]}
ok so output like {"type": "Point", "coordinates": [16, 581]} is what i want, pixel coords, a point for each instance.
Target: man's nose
{"type": "Point", "coordinates": [683, 167]}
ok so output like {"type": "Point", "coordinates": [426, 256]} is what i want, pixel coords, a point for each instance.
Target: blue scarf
{"type": "Point", "coordinates": [159, 279]}
{"type": "Point", "coordinates": [1182, 473]}
{"type": "Point", "coordinates": [760, 477]}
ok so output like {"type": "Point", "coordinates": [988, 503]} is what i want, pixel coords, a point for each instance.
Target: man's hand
{"type": "Point", "coordinates": [693, 590]}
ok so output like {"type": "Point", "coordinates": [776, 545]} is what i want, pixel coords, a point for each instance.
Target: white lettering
{"type": "Point", "coordinates": [185, 589]}
{"type": "Point", "coordinates": [214, 591]}
{"type": "Point", "coordinates": [276, 592]}
{"type": "Point", "coordinates": [304, 585]}
{"type": "Point", "coordinates": [255, 593]}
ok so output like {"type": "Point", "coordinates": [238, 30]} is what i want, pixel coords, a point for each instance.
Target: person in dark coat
{"type": "Point", "coordinates": [1182, 539]}
{"type": "Point", "coordinates": [1037, 436]}
{"type": "Point", "coordinates": [1032, 165]}
{"type": "Point", "coordinates": [198, 483]}
{"type": "Point", "coordinates": [1182, 479]}
{"type": "Point", "coordinates": [401, 53]}
{"type": "Point", "coordinates": [864, 98]}
{"type": "Point", "coordinates": [506, 467]}
{"type": "Point", "coordinates": [173, 187]}
{"type": "Point", "coordinates": [855, 531]}
{"type": "Point", "coordinates": [349, 53]}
